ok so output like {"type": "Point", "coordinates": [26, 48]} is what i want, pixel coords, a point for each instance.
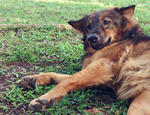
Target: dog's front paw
{"type": "Point", "coordinates": [27, 82]}
{"type": "Point", "coordinates": [41, 104]}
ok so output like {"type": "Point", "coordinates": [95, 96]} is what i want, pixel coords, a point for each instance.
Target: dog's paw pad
{"type": "Point", "coordinates": [36, 107]}
{"type": "Point", "coordinates": [41, 104]}
{"type": "Point", "coordinates": [43, 101]}
{"type": "Point", "coordinates": [52, 81]}
{"type": "Point", "coordinates": [46, 103]}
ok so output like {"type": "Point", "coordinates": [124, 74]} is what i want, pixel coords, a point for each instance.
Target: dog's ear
{"type": "Point", "coordinates": [126, 11]}
{"type": "Point", "coordinates": [79, 24]}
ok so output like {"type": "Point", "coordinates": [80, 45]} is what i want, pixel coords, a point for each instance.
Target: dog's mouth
{"type": "Point", "coordinates": [99, 45]}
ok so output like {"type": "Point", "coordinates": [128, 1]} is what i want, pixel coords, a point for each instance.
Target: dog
{"type": "Point", "coordinates": [117, 55]}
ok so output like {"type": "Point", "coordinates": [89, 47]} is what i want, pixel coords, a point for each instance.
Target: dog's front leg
{"type": "Point", "coordinates": [140, 104]}
{"type": "Point", "coordinates": [29, 82]}
{"type": "Point", "coordinates": [99, 72]}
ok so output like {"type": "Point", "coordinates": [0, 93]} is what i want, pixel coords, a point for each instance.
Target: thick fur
{"type": "Point", "coordinates": [119, 59]}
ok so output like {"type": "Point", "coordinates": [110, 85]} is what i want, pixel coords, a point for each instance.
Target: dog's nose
{"type": "Point", "coordinates": [92, 38]}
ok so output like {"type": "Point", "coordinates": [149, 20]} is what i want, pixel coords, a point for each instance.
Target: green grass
{"type": "Point", "coordinates": [48, 48]}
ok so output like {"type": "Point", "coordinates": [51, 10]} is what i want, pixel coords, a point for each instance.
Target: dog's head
{"type": "Point", "coordinates": [104, 27]}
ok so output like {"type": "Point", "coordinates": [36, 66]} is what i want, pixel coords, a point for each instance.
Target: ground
{"type": "Point", "coordinates": [35, 38]}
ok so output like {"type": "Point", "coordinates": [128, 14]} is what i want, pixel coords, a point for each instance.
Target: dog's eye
{"type": "Point", "coordinates": [89, 26]}
{"type": "Point", "coordinates": [106, 22]}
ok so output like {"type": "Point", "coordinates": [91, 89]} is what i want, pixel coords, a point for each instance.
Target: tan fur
{"type": "Point", "coordinates": [122, 65]}
{"type": "Point", "coordinates": [140, 105]}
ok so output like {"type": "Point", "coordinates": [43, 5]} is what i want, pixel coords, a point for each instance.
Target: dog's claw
{"type": "Point", "coordinates": [27, 79]}
{"type": "Point", "coordinates": [32, 82]}
{"type": "Point", "coordinates": [34, 79]}
{"type": "Point", "coordinates": [27, 83]}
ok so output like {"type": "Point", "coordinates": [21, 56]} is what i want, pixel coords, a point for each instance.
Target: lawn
{"type": "Point", "coordinates": [35, 37]}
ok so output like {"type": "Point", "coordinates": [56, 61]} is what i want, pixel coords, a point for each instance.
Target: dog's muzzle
{"type": "Point", "coordinates": [96, 42]}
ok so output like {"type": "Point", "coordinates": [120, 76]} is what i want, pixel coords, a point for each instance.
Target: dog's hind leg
{"type": "Point", "coordinates": [97, 73]}
{"type": "Point", "coordinates": [140, 104]}
{"type": "Point", "coordinates": [41, 79]}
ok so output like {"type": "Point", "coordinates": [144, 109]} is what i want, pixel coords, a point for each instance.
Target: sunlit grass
{"type": "Point", "coordinates": [90, 2]}
{"type": "Point", "coordinates": [60, 11]}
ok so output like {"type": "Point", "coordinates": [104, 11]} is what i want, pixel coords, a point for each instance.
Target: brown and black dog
{"type": "Point", "coordinates": [117, 55]}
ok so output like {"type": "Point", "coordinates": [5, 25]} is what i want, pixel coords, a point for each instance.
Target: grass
{"type": "Point", "coordinates": [47, 47]}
